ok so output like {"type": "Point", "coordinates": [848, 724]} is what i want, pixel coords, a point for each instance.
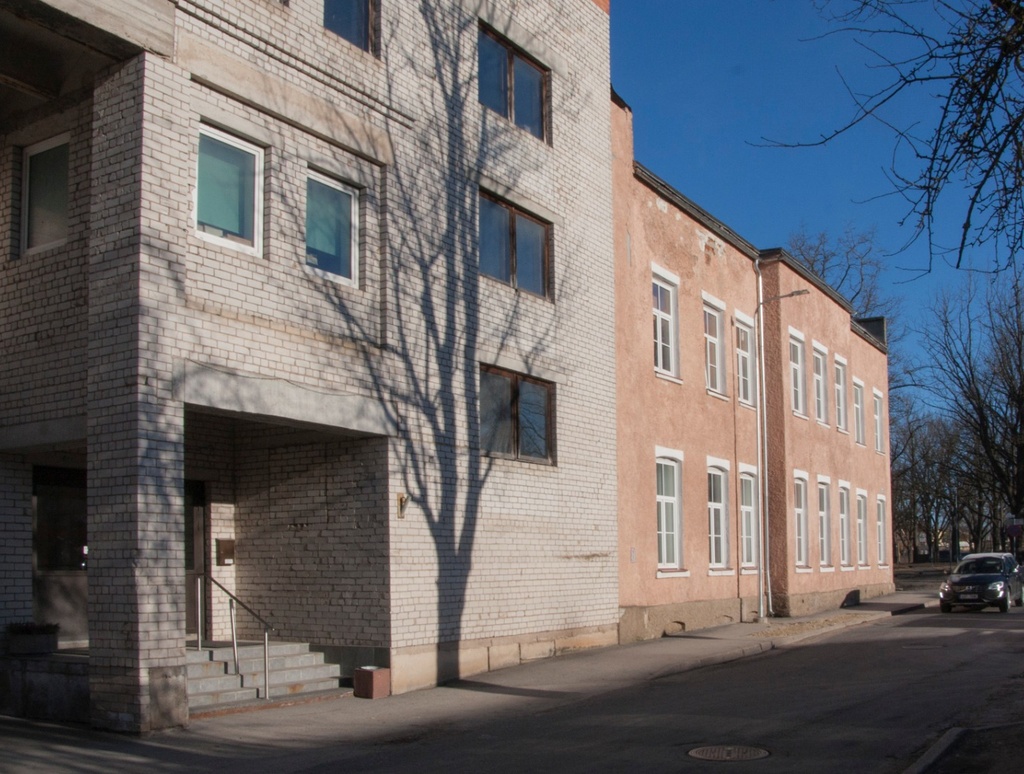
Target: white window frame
{"type": "Point", "coordinates": [858, 411]}
{"type": "Point", "coordinates": [824, 521]}
{"type": "Point", "coordinates": [797, 382]}
{"type": "Point", "coordinates": [353, 192]}
{"type": "Point", "coordinates": [820, 376]}
{"type": "Point", "coordinates": [669, 282]}
{"type": "Point", "coordinates": [26, 193]}
{"type": "Point", "coordinates": [842, 418]}
{"type": "Point", "coordinates": [879, 427]}
{"type": "Point", "coordinates": [714, 345]}
{"type": "Point", "coordinates": [749, 514]}
{"type": "Point", "coordinates": [881, 533]}
{"type": "Point", "coordinates": [256, 248]}
{"type": "Point", "coordinates": [718, 516]}
{"type": "Point", "coordinates": [800, 526]}
{"type": "Point", "coordinates": [845, 554]}
{"type": "Point", "coordinates": [862, 528]}
{"type": "Point", "coordinates": [669, 538]}
{"type": "Point", "coordinates": [746, 361]}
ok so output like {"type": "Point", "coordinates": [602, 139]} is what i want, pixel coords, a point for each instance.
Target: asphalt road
{"type": "Point", "coordinates": [865, 699]}
{"type": "Point", "coordinates": [870, 698]}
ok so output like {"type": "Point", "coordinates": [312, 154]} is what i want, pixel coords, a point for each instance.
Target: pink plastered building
{"type": "Point", "coordinates": [753, 467]}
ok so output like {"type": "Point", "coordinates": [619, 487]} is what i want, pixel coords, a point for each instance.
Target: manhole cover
{"type": "Point", "coordinates": [728, 752]}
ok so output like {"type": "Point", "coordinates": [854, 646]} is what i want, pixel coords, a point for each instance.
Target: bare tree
{"type": "Point", "coordinates": [967, 156]}
{"type": "Point", "coordinates": [976, 352]}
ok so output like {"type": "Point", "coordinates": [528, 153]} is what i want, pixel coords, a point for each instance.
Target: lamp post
{"type": "Point", "coordinates": [764, 591]}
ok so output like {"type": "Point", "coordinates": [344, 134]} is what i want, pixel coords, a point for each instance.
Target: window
{"type": "Point", "coordinates": [800, 520]}
{"type": "Point", "coordinates": [841, 396]}
{"type": "Point", "coordinates": [59, 538]}
{"type": "Point", "coordinates": [880, 530]}
{"type": "Point", "coordinates": [824, 524]}
{"type": "Point", "coordinates": [513, 246]}
{"type": "Point", "coordinates": [668, 488]}
{"type": "Point", "coordinates": [664, 290]}
{"type": "Point", "coordinates": [879, 431]}
{"type": "Point", "coordinates": [45, 194]}
{"type": "Point", "coordinates": [717, 525]}
{"type": "Point", "coordinates": [796, 374]}
{"type": "Point", "coordinates": [820, 388]}
{"type": "Point", "coordinates": [748, 520]}
{"type": "Point", "coordinates": [512, 84]}
{"type": "Point", "coordinates": [858, 412]}
{"type": "Point", "coordinates": [862, 528]}
{"type": "Point", "coordinates": [746, 380]}
{"type": "Point", "coordinates": [844, 525]}
{"type": "Point", "coordinates": [516, 415]}
{"type": "Point", "coordinates": [714, 350]}
{"type": "Point", "coordinates": [229, 190]}
{"type": "Point", "coordinates": [332, 227]}
{"type": "Point", "coordinates": [352, 20]}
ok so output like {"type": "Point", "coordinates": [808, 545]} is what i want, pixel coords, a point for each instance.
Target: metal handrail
{"type": "Point", "coordinates": [232, 601]}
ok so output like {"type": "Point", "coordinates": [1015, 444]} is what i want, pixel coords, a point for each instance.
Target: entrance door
{"type": "Point", "coordinates": [195, 547]}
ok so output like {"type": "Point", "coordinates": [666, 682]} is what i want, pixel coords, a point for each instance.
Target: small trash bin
{"type": "Point", "coordinates": [370, 682]}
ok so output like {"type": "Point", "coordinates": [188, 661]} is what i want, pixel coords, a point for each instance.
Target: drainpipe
{"type": "Point", "coordinates": [764, 586]}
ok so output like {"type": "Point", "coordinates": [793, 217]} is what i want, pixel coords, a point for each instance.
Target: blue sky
{"type": "Point", "coordinates": [707, 80]}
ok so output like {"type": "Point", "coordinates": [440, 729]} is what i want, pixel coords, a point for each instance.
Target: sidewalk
{"type": "Point", "coordinates": [237, 741]}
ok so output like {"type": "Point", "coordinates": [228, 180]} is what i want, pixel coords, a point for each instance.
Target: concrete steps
{"type": "Point", "coordinates": [294, 670]}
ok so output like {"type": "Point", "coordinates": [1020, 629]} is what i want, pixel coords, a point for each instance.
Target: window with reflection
{"type": "Point", "coordinates": [512, 84]}
{"type": "Point", "coordinates": [516, 415]}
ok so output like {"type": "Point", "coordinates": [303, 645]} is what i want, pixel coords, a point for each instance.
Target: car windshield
{"type": "Point", "coordinates": [977, 566]}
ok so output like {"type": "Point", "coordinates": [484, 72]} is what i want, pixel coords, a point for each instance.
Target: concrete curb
{"type": "Point", "coordinates": [936, 751]}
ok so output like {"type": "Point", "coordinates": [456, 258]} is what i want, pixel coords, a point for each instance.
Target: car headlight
{"type": "Point", "coordinates": [944, 588]}
{"type": "Point", "coordinates": [996, 586]}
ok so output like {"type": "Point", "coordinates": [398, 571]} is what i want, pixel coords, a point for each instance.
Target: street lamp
{"type": "Point", "coordinates": [764, 591]}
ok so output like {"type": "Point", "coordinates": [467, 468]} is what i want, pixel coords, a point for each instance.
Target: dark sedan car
{"type": "Point", "coordinates": [983, 580]}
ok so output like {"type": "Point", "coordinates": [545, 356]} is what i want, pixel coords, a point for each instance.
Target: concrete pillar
{"type": "Point", "coordinates": [139, 208]}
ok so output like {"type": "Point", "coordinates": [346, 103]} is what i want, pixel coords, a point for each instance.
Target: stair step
{"type": "Point", "coordinates": [297, 675]}
{"type": "Point", "coordinates": [294, 689]}
{"type": "Point", "coordinates": [213, 698]}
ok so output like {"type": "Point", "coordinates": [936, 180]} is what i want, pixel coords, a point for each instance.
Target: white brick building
{"type": "Point", "coordinates": [333, 291]}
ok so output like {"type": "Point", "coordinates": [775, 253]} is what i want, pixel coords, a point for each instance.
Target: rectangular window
{"type": "Point", "coordinates": [796, 376]}
{"type": "Point", "coordinates": [800, 520]}
{"type": "Point", "coordinates": [881, 533]}
{"type": "Point", "coordinates": [844, 526]}
{"type": "Point", "coordinates": [862, 528]}
{"type": "Point", "coordinates": [332, 227]}
{"type": "Point", "coordinates": [858, 412]}
{"type": "Point", "coordinates": [746, 380]}
{"type": "Point", "coordinates": [824, 525]}
{"type": "Point", "coordinates": [514, 246]}
{"type": "Point", "coordinates": [512, 84]}
{"type": "Point", "coordinates": [665, 353]}
{"type": "Point", "coordinates": [352, 20]}
{"type": "Point", "coordinates": [229, 190]}
{"type": "Point", "coordinates": [714, 350]}
{"type": "Point", "coordinates": [516, 415]}
{"type": "Point", "coordinates": [879, 429]}
{"type": "Point", "coordinates": [820, 387]}
{"type": "Point", "coordinates": [748, 520]}
{"type": "Point", "coordinates": [668, 486]}
{"type": "Point", "coordinates": [59, 538]}
{"type": "Point", "coordinates": [718, 527]}
{"type": "Point", "coordinates": [841, 396]}
{"type": "Point", "coordinates": [45, 194]}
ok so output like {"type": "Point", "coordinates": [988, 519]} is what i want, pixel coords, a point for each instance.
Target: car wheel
{"type": "Point", "coordinates": [1004, 604]}
{"type": "Point", "coordinates": [945, 607]}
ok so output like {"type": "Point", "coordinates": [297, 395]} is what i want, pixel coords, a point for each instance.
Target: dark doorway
{"type": "Point", "coordinates": [195, 547]}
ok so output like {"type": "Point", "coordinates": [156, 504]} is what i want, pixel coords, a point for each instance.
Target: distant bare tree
{"type": "Point", "coordinates": [976, 352]}
{"type": "Point", "coordinates": [967, 156]}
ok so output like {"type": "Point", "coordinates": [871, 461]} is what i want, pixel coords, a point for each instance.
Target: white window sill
{"type": "Point", "coordinates": [826, 568]}
{"type": "Point", "coordinates": [800, 414]}
{"type": "Point", "coordinates": [863, 566]}
{"type": "Point", "coordinates": [721, 572]}
{"type": "Point", "coordinates": [673, 574]}
{"type": "Point", "coordinates": [804, 570]}
{"type": "Point", "coordinates": [879, 452]}
{"type": "Point", "coordinates": [748, 571]}
{"type": "Point", "coordinates": [842, 430]}
{"type": "Point", "coordinates": [883, 567]}
{"type": "Point", "coordinates": [716, 394]}
{"type": "Point", "coordinates": [747, 405]}
{"type": "Point", "coordinates": [847, 568]}
{"type": "Point", "coordinates": [822, 423]}
{"type": "Point", "coordinates": [667, 377]}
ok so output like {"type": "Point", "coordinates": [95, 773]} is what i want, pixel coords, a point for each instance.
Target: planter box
{"type": "Point", "coordinates": [31, 644]}
{"type": "Point", "coordinates": [371, 682]}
